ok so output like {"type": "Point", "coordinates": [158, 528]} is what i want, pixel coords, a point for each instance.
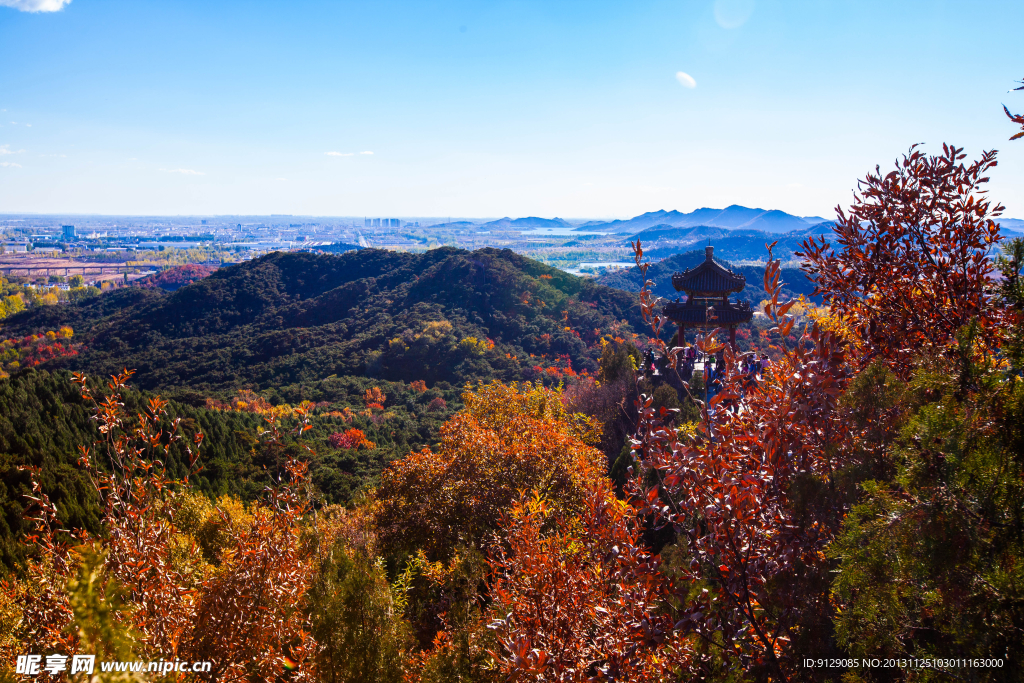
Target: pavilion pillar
{"type": "Point", "coordinates": [732, 336]}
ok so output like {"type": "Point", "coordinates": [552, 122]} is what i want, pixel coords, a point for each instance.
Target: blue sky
{"type": "Point", "coordinates": [553, 108]}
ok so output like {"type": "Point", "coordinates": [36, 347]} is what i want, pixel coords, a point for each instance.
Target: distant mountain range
{"type": "Point", "coordinates": [732, 217]}
{"type": "Point", "coordinates": [662, 241]}
{"type": "Point", "coordinates": [1012, 225]}
{"type": "Point", "coordinates": [507, 223]}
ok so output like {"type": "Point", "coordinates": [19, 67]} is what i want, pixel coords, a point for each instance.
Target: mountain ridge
{"type": "Point", "coordinates": [445, 315]}
{"type": "Point", "coordinates": [733, 217]}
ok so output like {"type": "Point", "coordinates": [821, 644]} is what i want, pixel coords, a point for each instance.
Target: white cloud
{"type": "Point", "coordinates": [35, 5]}
{"type": "Point", "coordinates": [6, 149]}
{"type": "Point", "coordinates": [9, 164]}
{"type": "Point", "coordinates": [685, 79]}
{"type": "Point", "coordinates": [183, 171]}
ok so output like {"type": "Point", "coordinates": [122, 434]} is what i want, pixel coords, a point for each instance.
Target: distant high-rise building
{"type": "Point", "coordinates": [69, 232]}
{"type": "Point", "coordinates": [394, 223]}
{"type": "Point", "coordinates": [367, 222]}
{"type": "Point", "coordinates": [376, 223]}
{"type": "Point", "coordinates": [204, 221]}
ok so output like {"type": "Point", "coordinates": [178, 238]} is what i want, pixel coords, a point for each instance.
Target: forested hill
{"type": "Point", "coordinates": [287, 318]}
{"type": "Point", "coordinates": [794, 280]}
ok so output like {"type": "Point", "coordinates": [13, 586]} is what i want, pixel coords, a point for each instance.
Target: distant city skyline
{"type": "Point", "coordinates": [602, 110]}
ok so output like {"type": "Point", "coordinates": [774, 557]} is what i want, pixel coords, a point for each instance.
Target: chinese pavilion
{"type": "Point", "coordinates": [709, 285]}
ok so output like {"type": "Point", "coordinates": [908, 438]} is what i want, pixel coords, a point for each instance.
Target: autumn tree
{"type": "Point", "coordinates": [244, 615]}
{"type": "Point", "coordinates": [436, 510]}
{"type": "Point", "coordinates": [912, 265]}
{"type": "Point", "coordinates": [929, 556]}
{"type": "Point", "coordinates": [508, 439]}
{"type": "Point", "coordinates": [581, 598]}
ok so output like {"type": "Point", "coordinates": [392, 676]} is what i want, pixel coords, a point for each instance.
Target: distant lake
{"type": "Point", "coordinates": [601, 264]}
{"type": "Point", "coordinates": [606, 264]}
{"type": "Point", "coordinates": [558, 232]}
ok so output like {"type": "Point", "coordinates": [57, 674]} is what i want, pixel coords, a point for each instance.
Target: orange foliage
{"type": "Point", "coordinates": [582, 600]}
{"type": "Point", "coordinates": [374, 398]}
{"type": "Point", "coordinates": [245, 617]}
{"type": "Point", "coordinates": [351, 438]}
{"type": "Point", "coordinates": [586, 601]}
{"type": "Point", "coordinates": [418, 385]}
{"type": "Point", "coordinates": [346, 414]}
{"type": "Point", "coordinates": [509, 438]}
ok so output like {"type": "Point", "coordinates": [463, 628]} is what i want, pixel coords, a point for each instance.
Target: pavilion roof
{"type": "Point", "coordinates": [709, 278]}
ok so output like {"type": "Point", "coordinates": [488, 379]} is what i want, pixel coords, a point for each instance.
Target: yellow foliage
{"type": "Point", "coordinates": [472, 346]}
{"type": "Point", "coordinates": [833, 322]}
{"type": "Point", "coordinates": [12, 304]}
{"type": "Point", "coordinates": [249, 401]}
{"type": "Point", "coordinates": [497, 402]}
{"type": "Point", "coordinates": [508, 439]}
{"type": "Point", "coordinates": [435, 331]}
{"type": "Point", "coordinates": [211, 525]}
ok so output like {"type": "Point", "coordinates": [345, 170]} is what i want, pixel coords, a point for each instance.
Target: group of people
{"type": "Point", "coordinates": [754, 365]}
{"type": "Point", "coordinates": [689, 359]}
{"type": "Point", "coordinates": [751, 366]}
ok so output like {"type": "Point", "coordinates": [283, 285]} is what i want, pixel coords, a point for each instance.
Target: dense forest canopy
{"type": "Point", "coordinates": [290, 318]}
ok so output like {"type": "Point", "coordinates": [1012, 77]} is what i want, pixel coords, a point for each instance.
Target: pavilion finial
{"type": "Point", "coordinates": [709, 252]}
